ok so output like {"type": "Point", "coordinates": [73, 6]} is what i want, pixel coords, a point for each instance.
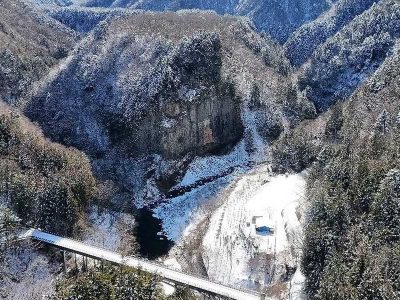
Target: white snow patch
{"type": "Point", "coordinates": [172, 263]}
{"type": "Point", "coordinates": [183, 212]}
{"type": "Point", "coordinates": [231, 239]}
{"type": "Point", "coordinates": [296, 287]}
{"type": "Point", "coordinates": [168, 289]}
{"type": "Point", "coordinates": [168, 123]}
{"type": "Point", "coordinates": [108, 229]}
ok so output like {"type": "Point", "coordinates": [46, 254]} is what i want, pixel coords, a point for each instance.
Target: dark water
{"type": "Point", "coordinates": [151, 245]}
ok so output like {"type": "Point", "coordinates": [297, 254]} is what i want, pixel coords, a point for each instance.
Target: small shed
{"type": "Point", "coordinates": [265, 229]}
{"type": "Point", "coordinates": [264, 226]}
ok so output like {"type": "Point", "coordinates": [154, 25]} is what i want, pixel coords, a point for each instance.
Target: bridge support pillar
{"type": "Point", "coordinates": [64, 262]}
{"type": "Point", "coordinates": [85, 260]}
{"type": "Point", "coordinates": [76, 264]}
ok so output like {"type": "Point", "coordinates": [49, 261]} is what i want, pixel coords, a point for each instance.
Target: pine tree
{"type": "Point", "coordinates": [382, 122]}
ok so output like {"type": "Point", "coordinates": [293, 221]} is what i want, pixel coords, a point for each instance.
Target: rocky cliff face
{"type": "Point", "coordinates": [141, 95]}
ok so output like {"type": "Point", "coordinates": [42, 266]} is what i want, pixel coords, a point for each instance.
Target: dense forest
{"type": "Point", "coordinates": [111, 105]}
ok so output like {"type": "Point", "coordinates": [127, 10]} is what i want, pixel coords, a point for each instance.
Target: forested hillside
{"type": "Point", "coordinates": [30, 44]}
{"type": "Point", "coordinates": [351, 246]}
{"type": "Point", "coordinates": [277, 18]}
{"type": "Point", "coordinates": [304, 41]}
{"type": "Point", "coordinates": [135, 87]}
{"type": "Point", "coordinates": [346, 59]}
{"type": "Point", "coordinates": [47, 185]}
{"type": "Point", "coordinates": [182, 123]}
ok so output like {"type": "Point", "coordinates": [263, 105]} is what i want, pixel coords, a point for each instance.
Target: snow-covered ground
{"type": "Point", "coordinates": [182, 213]}
{"type": "Point", "coordinates": [223, 215]}
{"type": "Point", "coordinates": [110, 230]}
{"type": "Point", "coordinates": [26, 274]}
{"type": "Point", "coordinates": [232, 207]}
{"type": "Point", "coordinates": [231, 238]}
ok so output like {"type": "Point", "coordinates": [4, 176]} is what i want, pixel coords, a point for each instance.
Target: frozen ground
{"type": "Point", "coordinates": [26, 274]}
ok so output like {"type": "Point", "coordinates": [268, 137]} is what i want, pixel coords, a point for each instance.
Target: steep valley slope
{"type": "Point", "coordinates": [353, 151]}
{"type": "Point", "coordinates": [346, 59]}
{"type": "Point", "coordinates": [154, 96]}
{"type": "Point", "coordinates": [193, 115]}
{"type": "Point", "coordinates": [30, 44]}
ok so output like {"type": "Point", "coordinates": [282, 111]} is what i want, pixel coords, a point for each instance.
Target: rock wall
{"type": "Point", "coordinates": [141, 96]}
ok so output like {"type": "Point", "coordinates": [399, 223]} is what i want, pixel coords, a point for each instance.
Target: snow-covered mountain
{"type": "Point", "coordinates": [139, 88]}
{"type": "Point", "coordinates": [277, 18]}
{"type": "Point", "coordinates": [345, 60]}
{"type": "Point", "coordinates": [190, 115]}
{"type": "Point", "coordinates": [304, 41]}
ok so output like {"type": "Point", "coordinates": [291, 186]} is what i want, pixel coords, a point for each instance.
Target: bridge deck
{"type": "Point", "coordinates": [148, 266]}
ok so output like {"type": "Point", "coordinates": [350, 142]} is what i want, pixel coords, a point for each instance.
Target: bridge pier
{"type": "Point", "coordinates": [64, 261]}
{"type": "Point", "coordinates": [76, 264]}
{"type": "Point", "coordinates": [83, 264]}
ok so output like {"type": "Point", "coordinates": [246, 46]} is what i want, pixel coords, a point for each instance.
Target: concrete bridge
{"type": "Point", "coordinates": [195, 282]}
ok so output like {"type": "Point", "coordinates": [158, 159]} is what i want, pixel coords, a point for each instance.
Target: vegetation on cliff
{"type": "Point", "coordinates": [351, 246]}
{"type": "Point", "coordinates": [46, 184]}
